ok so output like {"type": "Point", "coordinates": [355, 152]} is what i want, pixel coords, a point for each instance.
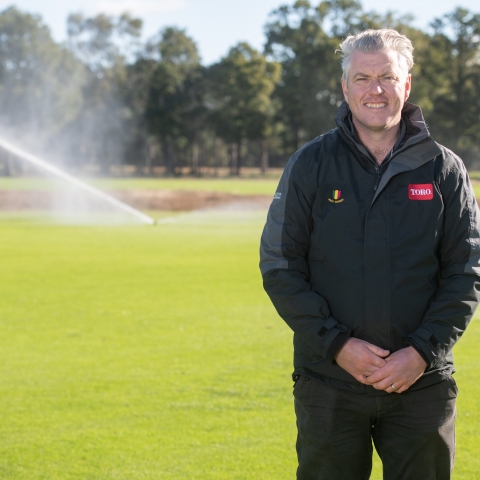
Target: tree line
{"type": "Point", "coordinates": [104, 99]}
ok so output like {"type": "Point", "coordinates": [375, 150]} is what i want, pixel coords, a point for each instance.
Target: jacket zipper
{"type": "Point", "coordinates": [378, 168]}
{"type": "Point", "coordinates": [378, 179]}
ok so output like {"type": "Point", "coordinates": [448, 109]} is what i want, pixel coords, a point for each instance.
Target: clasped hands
{"type": "Point", "coordinates": [372, 365]}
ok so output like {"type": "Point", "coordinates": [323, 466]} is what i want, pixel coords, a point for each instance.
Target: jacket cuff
{"type": "Point", "coordinates": [419, 351]}
{"type": "Point", "coordinates": [337, 344]}
{"type": "Point", "coordinates": [328, 333]}
{"type": "Point", "coordinates": [426, 345]}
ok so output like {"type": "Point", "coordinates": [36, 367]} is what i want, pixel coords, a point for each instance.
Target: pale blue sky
{"type": "Point", "coordinates": [216, 25]}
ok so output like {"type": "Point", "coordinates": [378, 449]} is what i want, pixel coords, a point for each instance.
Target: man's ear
{"type": "Point", "coordinates": [408, 86]}
{"type": "Point", "coordinates": [345, 90]}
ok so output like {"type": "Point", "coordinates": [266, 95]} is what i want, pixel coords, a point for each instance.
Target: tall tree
{"type": "Point", "coordinates": [174, 110]}
{"type": "Point", "coordinates": [309, 90]}
{"type": "Point", "coordinates": [103, 41]}
{"type": "Point", "coordinates": [40, 81]}
{"type": "Point", "coordinates": [455, 77]}
{"type": "Point", "coordinates": [104, 44]}
{"type": "Point", "coordinates": [136, 94]}
{"type": "Point", "coordinates": [239, 95]}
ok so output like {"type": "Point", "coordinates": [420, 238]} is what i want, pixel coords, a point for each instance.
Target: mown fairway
{"type": "Point", "coordinates": [153, 353]}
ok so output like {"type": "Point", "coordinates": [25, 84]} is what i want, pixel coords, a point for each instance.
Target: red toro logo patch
{"type": "Point", "coordinates": [421, 191]}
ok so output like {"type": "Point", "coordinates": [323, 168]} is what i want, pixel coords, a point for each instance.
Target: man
{"type": "Point", "coordinates": [371, 255]}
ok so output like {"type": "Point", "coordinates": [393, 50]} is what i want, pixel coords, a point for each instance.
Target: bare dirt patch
{"type": "Point", "coordinates": [141, 199]}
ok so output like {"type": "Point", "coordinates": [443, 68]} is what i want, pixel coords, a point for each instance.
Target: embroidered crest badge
{"type": "Point", "coordinates": [336, 197]}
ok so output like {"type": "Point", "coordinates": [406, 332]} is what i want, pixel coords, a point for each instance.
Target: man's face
{"type": "Point", "coordinates": [376, 89]}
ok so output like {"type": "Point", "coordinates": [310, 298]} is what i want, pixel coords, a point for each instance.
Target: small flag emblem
{"type": "Point", "coordinates": [336, 197]}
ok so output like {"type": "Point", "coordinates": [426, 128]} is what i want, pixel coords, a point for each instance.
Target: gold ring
{"type": "Point", "coordinates": [394, 388]}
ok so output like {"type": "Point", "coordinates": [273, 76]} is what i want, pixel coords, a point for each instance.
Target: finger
{"type": "Point", "coordinates": [372, 361]}
{"type": "Point", "coordinates": [380, 352]}
{"type": "Point", "coordinates": [381, 375]}
{"type": "Point", "coordinates": [361, 378]}
{"type": "Point", "coordinates": [385, 384]}
{"type": "Point", "coordinates": [397, 389]}
{"type": "Point", "coordinates": [380, 362]}
{"type": "Point", "coordinates": [370, 370]}
{"type": "Point", "coordinates": [403, 388]}
{"type": "Point", "coordinates": [377, 362]}
{"type": "Point", "coordinates": [382, 385]}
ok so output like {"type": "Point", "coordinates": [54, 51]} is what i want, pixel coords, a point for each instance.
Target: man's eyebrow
{"type": "Point", "coordinates": [382, 74]}
{"type": "Point", "coordinates": [360, 74]}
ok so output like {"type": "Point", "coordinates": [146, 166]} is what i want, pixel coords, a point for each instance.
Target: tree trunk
{"type": "Point", "coordinates": [170, 159]}
{"type": "Point", "coordinates": [264, 165]}
{"type": "Point", "coordinates": [240, 157]}
{"type": "Point", "coordinates": [218, 143]}
{"type": "Point", "coordinates": [234, 159]}
{"type": "Point", "coordinates": [201, 158]}
{"type": "Point", "coordinates": [148, 160]}
{"type": "Point", "coordinates": [195, 160]}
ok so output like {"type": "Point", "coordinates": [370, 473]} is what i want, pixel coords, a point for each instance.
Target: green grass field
{"type": "Point", "coordinates": [153, 353]}
{"type": "Point", "coordinates": [237, 186]}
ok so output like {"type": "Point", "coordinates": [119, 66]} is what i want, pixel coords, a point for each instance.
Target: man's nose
{"type": "Point", "coordinates": [376, 86]}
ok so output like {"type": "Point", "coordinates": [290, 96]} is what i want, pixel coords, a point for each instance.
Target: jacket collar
{"type": "Point", "coordinates": [416, 130]}
{"type": "Point", "coordinates": [416, 148]}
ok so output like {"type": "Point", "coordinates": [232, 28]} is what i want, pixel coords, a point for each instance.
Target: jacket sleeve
{"type": "Point", "coordinates": [457, 296]}
{"type": "Point", "coordinates": [284, 261]}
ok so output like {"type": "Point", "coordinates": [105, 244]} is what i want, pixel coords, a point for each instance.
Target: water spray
{"type": "Point", "coordinates": [75, 181]}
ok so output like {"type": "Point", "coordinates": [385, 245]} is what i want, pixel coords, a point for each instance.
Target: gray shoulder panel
{"type": "Point", "coordinates": [271, 256]}
{"type": "Point", "coordinates": [472, 266]}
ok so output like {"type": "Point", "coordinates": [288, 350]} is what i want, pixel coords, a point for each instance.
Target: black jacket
{"type": "Point", "coordinates": [389, 255]}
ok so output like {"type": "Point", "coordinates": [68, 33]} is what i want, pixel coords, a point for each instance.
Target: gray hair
{"type": "Point", "coordinates": [374, 41]}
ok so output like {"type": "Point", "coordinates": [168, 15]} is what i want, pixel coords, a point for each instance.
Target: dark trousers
{"type": "Point", "coordinates": [413, 432]}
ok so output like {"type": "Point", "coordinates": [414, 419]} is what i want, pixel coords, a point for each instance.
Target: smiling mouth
{"type": "Point", "coordinates": [375, 105]}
